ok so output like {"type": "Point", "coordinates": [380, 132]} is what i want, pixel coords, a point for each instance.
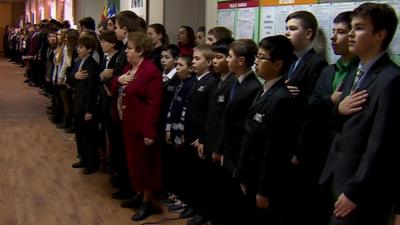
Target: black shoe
{"type": "Point", "coordinates": [122, 195]}
{"type": "Point", "coordinates": [143, 212]}
{"type": "Point", "coordinates": [136, 202]}
{"type": "Point", "coordinates": [186, 213]}
{"type": "Point", "coordinates": [197, 220]}
{"type": "Point", "coordinates": [88, 171]}
{"type": "Point", "coordinates": [79, 164]}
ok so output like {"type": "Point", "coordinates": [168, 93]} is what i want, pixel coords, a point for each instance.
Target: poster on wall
{"type": "Point", "coordinates": [240, 14]}
{"type": "Point", "coordinates": [139, 7]}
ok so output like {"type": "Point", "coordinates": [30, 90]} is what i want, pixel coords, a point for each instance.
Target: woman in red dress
{"type": "Point", "coordinates": [139, 103]}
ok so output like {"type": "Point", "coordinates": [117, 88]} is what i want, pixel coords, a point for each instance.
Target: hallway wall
{"type": "Point", "coordinates": [10, 13]}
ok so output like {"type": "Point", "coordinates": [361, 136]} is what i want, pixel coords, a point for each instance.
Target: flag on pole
{"type": "Point", "coordinates": [104, 13]}
{"type": "Point", "coordinates": [111, 10]}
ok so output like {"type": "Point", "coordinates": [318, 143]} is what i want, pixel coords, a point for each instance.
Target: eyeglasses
{"type": "Point", "coordinates": [260, 58]}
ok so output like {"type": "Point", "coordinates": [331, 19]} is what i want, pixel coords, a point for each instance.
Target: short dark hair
{"type": "Point", "coordinates": [188, 59]}
{"type": "Point", "coordinates": [110, 36]}
{"type": "Point", "coordinates": [222, 46]}
{"type": "Point", "coordinates": [87, 42]}
{"type": "Point", "coordinates": [88, 23]}
{"type": "Point", "coordinates": [280, 48]}
{"type": "Point", "coordinates": [66, 24]}
{"type": "Point", "coordinates": [382, 16]}
{"type": "Point", "coordinates": [246, 48]}
{"type": "Point", "coordinates": [220, 33]}
{"type": "Point", "coordinates": [112, 19]}
{"type": "Point", "coordinates": [307, 19]}
{"type": "Point", "coordinates": [173, 49]}
{"type": "Point", "coordinates": [142, 42]}
{"type": "Point", "coordinates": [129, 20]}
{"type": "Point", "coordinates": [160, 29]}
{"type": "Point", "coordinates": [344, 17]}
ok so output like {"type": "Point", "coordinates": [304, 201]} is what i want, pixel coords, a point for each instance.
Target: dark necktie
{"type": "Point", "coordinates": [234, 90]}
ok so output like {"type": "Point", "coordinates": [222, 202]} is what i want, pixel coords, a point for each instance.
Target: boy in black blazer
{"type": "Point", "coordinates": [85, 80]}
{"type": "Point", "coordinates": [240, 59]}
{"type": "Point", "coordinates": [363, 162]}
{"type": "Point", "coordinates": [269, 139]}
{"type": "Point", "coordinates": [301, 78]}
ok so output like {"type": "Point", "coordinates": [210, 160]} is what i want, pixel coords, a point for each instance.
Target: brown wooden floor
{"type": "Point", "coordinates": [37, 184]}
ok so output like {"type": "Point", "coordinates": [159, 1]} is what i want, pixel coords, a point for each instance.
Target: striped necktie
{"type": "Point", "coordinates": [356, 83]}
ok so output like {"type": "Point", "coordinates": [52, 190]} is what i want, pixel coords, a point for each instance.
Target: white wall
{"type": "Point", "coordinates": [211, 14]}
{"type": "Point", "coordinates": [156, 11]}
{"type": "Point", "coordinates": [183, 12]}
{"type": "Point", "coordinates": [92, 8]}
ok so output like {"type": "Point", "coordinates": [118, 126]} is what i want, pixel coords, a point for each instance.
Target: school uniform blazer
{"type": "Point", "coordinates": [105, 100]}
{"type": "Point", "coordinates": [363, 153]}
{"type": "Point", "coordinates": [119, 65]}
{"type": "Point", "coordinates": [169, 88]}
{"type": "Point", "coordinates": [268, 141]}
{"type": "Point", "coordinates": [304, 77]}
{"type": "Point", "coordinates": [197, 108]}
{"type": "Point", "coordinates": [214, 126]}
{"type": "Point", "coordinates": [235, 115]}
{"type": "Point", "coordinates": [86, 90]}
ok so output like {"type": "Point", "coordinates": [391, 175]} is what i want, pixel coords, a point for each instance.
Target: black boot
{"type": "Point", "coordinates": [143, 212]}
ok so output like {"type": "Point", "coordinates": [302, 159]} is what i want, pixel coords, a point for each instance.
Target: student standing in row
{"type": "Point", "coordinates": [362, 166]}
{"type": "Point", "coordinates": [302, 75]}
{"type": "Point", "coordinates": [264, 162]}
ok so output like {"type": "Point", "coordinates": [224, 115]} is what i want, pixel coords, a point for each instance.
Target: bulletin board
{"type": "Point", "coordinates": [240, 14]}
{"type": "Point", "coordinates": [271, 16]}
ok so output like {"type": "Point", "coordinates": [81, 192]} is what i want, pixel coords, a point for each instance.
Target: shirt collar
{"type": "Point", "coordinates": [109, 56]}
{"type": "Point", "coordinates": [224, 76]}
{"type": "Point", "coordinates": [367, 66]}
{"type": "Point", "coordinates": [344, 66]}
{"type": "Point", "coordinates": [203, 75]}
{"type": "Point", "coordinates": [268, 84]}
{"type": "Point", "coordinates": [243, 76]}
{"type": "Point", "coordinates": [125, 41]}
{"type": "Point", "coordinates": [300, 54]}
{"type": "Point", "coordinates": [171, 73]}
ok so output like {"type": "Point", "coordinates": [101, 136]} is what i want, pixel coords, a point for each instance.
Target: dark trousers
{"type": "Point", "coordinates": [118, 156]}
{"type": "Point", "coordinates": [85, 133]}
{"type": "Point", "coordinates": [306, 196]}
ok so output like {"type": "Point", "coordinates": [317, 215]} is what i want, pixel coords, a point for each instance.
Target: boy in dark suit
{"type": "Point", "coordinates": [318, 132]}
{"type": "Point", "coordinates": [268, 141]}
{"type": "Point", "coordinates": [209, 147]}
{"type": "Point", "coordinates": [240, 59]}
{"type": "Point", "coordinates": [363, 162]}
{"type": "Point", "coordinates": [195, 115]}
{"type": "Point", "coordinates": [301, 78]}
{"type": "Point", "coordinates": [84, 80]}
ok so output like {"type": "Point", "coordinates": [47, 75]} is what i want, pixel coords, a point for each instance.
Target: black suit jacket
{"type": "Point", "coordinates": [86, 90]}
{"type": "Point", "coordinates": [169, 88]}
{"type": "Point", "coordinates": [214, 126]}
{"type": "Point", "coordinates": [318, 129]}
{"type": "Point", "coordinates": [235, 115]}
{"type": "Point", "coordinates": [304, 77]}
{"type": "Point", "coordinates": [105, 100]}
{"type": "Point", "coordinates": [197, 107]}
{"type": "Point", "coordinates": [268, 142]}
{"type": "Point", "coordinates": [363, 153]}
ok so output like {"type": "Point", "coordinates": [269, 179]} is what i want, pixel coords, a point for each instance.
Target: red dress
{"type": "Point", "coordinates": [141, 102]}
